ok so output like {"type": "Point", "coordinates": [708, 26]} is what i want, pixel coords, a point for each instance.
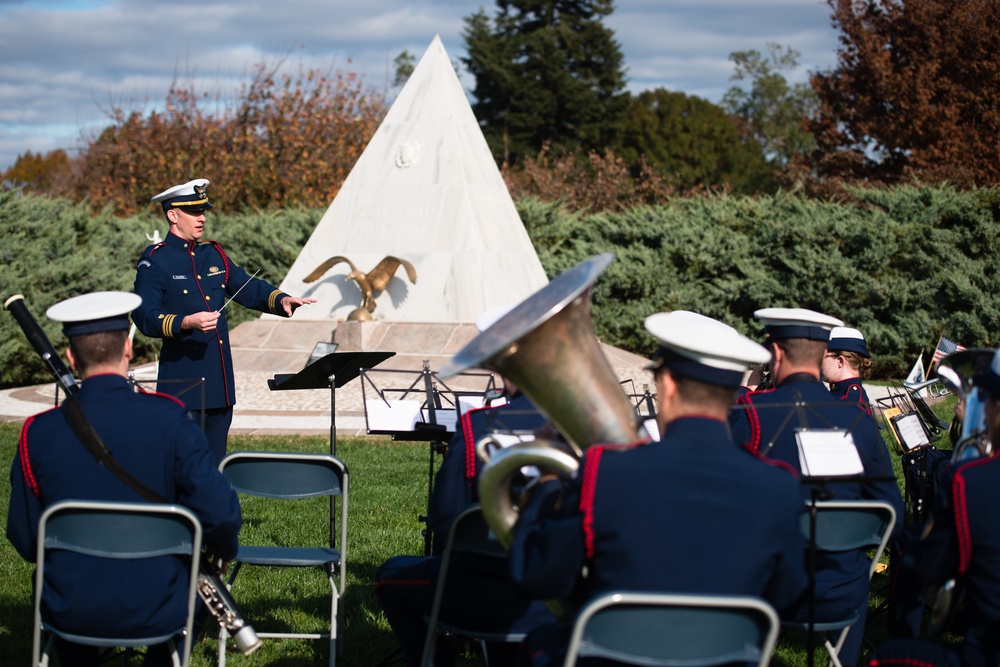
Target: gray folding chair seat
{"type": "Point", "coordinates": [117, 531]}
{"type": "Point", "coordinates": [467, 534]}
{"type": "Point", "coordinates": [674, 630]}
{"type": "Point", "coordinates": [846, 525]}
{"type": "Point", "coordinates": [284, 477]}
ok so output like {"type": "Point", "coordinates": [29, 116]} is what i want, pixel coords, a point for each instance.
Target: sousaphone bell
{"type": "Point", "coordinates": [547, 346]}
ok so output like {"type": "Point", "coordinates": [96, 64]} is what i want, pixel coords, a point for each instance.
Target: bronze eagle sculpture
{"type": "Point", "coordinates": [371, 284]}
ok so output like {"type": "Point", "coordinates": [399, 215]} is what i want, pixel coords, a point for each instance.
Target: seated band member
{"type": "Point", "coordinates": [845, 364]}
{"type": "Point", "coordinates": [765, 423]}
{"type": "Point", "coordinates": [962, 540]}
{"type": "Point", "coordinates": [479, 593]}
{"type": "Point", "coordinates": [667, 516]}
{"type": "Point", "coordinates": [152, 437]}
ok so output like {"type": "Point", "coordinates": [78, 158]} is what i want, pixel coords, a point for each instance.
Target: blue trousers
{"type": "Point", "coordinates": [216, 428]}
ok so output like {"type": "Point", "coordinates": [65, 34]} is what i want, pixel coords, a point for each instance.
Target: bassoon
{"type": "Point", "coordinates": [212, 590]}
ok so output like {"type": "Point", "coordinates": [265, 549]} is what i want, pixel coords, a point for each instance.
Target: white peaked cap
{"type": "Point", "coordinates": [700, 347]}
{"type": "Point", "coordinates": [781, 323]}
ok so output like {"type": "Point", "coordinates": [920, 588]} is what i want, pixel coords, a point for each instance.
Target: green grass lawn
{"type": "Point", "coordinates": [388, 492]}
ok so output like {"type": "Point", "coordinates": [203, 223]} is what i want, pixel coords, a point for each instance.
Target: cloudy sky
{"type": "Point", "coordinates": [64, 62]}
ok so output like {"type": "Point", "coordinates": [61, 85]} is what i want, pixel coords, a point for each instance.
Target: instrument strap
{"type": "Point", "coordinates": [92, 441]}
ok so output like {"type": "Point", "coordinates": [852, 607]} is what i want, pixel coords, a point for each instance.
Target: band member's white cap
{"type": "Point", "coordinates": [784, 323]}
{"type": "Point", "coordinates": [94, 312]}
{"type": "Point", "coordinates": [845, 339]}
{"type": "Point", "coordinates": [702, 348]}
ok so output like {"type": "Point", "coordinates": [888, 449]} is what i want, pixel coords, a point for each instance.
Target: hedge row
{"type": "Point", "coordinates": [53, 249]}
{"type": "Point", "coordinates": [904, 265]}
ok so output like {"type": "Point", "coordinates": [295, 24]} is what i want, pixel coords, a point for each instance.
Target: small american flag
{"type": "Point", "coordinates": [945, 347]}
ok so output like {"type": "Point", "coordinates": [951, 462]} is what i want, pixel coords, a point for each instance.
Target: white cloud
{"type": "Point", "coordinates": [63, 61]}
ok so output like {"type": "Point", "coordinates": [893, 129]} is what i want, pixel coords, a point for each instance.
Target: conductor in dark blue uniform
{"type": "Point", "coordinates": [185, 284]}
{"type": "Point", "coordinates": [151, 437]}
{"type": "Point", "coordinates": [961, 542]}
{"type": "Point", "coordinates": [479, 593]}
{"type": "Point", "coordinates": [668, 516]}
{"type": "Point", "coordinates": [766, 424]}
{"type": "Point", "coordinates": [846, 363]}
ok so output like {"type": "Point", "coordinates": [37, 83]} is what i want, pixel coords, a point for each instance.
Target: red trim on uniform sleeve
{"type": "Point", "coordinates": [22, 450]}
{"type": "Point", "coordinates": [962, 514]}
{"type": "Point", "coordinates": [155, 248]}
{"type": "Point", "coordinates": [470, 442]}
{"type": "Point", "coordinates": [754, 420]}
{"type": "Point", "coordinates": [907, 662]}
{"type": "Point", "coordinates": [592, 459]}
{"type": "Point", "coordinates": [225, 259]}
{"type": "Point", "coordinates": [162, 395]}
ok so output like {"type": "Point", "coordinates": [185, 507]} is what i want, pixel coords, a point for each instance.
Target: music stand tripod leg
{"type": "Point", "coordinates": [333, 415]}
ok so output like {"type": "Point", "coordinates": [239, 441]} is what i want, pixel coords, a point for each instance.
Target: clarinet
{"type": "Point", "coordinates": [211, 589]}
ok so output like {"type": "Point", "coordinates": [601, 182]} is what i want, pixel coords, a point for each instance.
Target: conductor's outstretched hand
{"type": "Point", "coordinates": [291, 303]}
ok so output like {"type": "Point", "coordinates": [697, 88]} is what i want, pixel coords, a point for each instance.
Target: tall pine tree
{"type": "Point", "coordinates": [547, 71]}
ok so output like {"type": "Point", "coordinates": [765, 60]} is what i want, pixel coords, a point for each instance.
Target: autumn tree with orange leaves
{"type": "Point", "coordinates": [915, 93]}
{"type": "Point", "coordinates": [290, 140]}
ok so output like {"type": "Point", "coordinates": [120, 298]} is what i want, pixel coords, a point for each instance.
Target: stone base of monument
{"type": "Point", "coordinates": [267, 347]}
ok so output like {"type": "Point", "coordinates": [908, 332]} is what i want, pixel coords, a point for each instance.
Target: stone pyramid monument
{"type": "Point", "coordinates": [426, 190]}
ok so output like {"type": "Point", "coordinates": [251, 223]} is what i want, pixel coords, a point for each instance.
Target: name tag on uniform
{"type": "Point", "coordinates": [182, 277]}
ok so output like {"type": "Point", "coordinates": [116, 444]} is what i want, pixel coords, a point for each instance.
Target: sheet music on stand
{"type": "Point", "coordinates": [911, 430]}
{"type": "Point", "coordinates": [828, 453]}
{"type": "Point", "coordinates": [425, 409]}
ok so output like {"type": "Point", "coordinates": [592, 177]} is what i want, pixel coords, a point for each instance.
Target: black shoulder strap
{"type": "Point", "coordinates": [89, 437]}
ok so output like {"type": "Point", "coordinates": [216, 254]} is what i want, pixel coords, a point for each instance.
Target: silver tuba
{"type": "Point", "coordinates": [957, 371]}
{"type": "Point", "coordinates": [547, 346]}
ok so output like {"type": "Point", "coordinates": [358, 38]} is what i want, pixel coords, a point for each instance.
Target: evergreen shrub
{"type": "Point", "coordinates": [904, 265]}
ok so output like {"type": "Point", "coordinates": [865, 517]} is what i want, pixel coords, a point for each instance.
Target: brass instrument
{"type": "Point", "coordinates": [957, 371]}
{"type": "Point", "coordinates": [547, 346]}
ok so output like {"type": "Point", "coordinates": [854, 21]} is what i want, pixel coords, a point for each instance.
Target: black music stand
{"type": "Point", "coordinates": [333, 371]}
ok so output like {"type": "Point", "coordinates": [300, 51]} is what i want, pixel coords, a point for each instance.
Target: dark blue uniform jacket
{"type": "Point", "coordinates": [692, 513]}
{"type": "Point", "coordinates": [852, 390]}
{"type": "Point", "coordinates": [173, 281]}
{"type": "Point", "coordinates": [456, 479]}
{"type": "Point", "coordinates": [478, 592]}
{"type": "Point", "coordinates": [964, 542]}
{"type": "Point", "coordinates": [765, 423]}
{"type": "Point", "coordinates": [150, 437]}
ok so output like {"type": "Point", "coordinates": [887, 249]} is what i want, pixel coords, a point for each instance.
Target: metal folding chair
{"type": "Point", "coordinates": [468, 534]}
{"type": "Point", "coordinates": [674, 630]}
{"type": "Point", "coordinates": [287, 476]}
{"type": "Point", "coordinates": [846, 525]}
{"type": "Point", "coordinates": [117, 531]}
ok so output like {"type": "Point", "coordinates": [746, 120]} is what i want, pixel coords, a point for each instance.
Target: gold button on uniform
{"type": "Point", "coordinates": [185, 291]}
{"type": "Point", "coordinates": [208, 298]}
